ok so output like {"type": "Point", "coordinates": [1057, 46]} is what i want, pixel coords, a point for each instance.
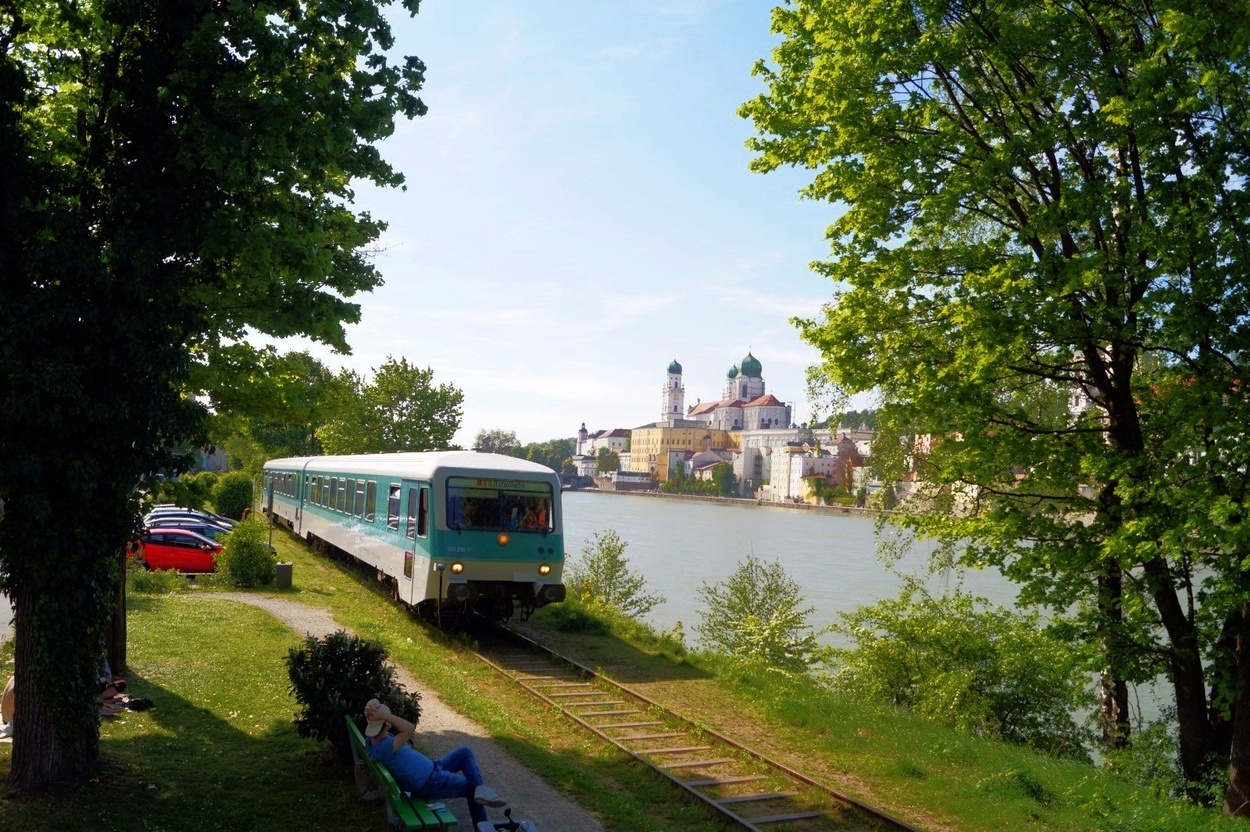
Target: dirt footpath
{"type": "Point", "coordinates": [442, 729]}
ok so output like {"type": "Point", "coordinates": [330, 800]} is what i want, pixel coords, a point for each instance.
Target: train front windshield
{"type": "Point", "coordinates": [477, 504]}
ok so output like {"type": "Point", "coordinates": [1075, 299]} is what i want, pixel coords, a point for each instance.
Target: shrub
{"type": "Point", "coordinates": [602, 577]}
{"type": "Point", "coordinates": [246, 559]}
{"type": "Point", "coordinates": [201, 484]}
{"type": "Point", "coordinates": [755, 614]}
{"type": "Point", "coordinates": [232, 493]}
{"type": "Point", "coordinates": [335, 676]}
{"type": "Point", "coordinates": [956, 660]}
{"type": "Point", "coordinates": [156, 582]}
{"type": "Point", "coordinates": [571, 617]}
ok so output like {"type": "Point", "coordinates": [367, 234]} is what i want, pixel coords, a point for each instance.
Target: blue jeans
{"type": "Point", "coordinates": [456, 775]}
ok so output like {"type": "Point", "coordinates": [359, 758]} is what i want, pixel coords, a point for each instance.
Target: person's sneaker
{"type": "Point", "coordinates": [487, 796]}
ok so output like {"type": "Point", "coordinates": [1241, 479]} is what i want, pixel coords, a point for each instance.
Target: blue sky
{"type": "Point", "coordinates": [579, 212]}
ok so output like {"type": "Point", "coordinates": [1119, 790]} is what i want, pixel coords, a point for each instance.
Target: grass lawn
{"type": "Point", "coordinates": [219, 750]}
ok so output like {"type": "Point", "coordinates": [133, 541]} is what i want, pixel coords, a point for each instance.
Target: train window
{"type": "Point", "coordinates": [411, 530]}
{"type": "Point", "coordinates": [351, 497]}
{"type": "Point", "coordinates": [499, 505]}
{"type": "Point", "coordinates": [371, 499]}
{"type": "Point", "coordinates": [360, 498]}
{"type": "Point", "coordinates": [392, 508]}
{"type": "Point", "coordinates": [423, 516]}
{"type": "Point", "coordinates": [342, 498]}
{"type": "Point", "coordinates": [334, 493]}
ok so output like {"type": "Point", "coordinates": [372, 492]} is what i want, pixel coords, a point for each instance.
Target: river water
{"type": "Point", "coordinates": [678, 545]}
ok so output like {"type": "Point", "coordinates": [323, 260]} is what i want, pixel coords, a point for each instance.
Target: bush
{"type": "Point", "coordinates": [246, 559]}
{"type": "Point", "coordinates": [232, 493]}
{"type": "Point", "coordinates": [755, 614]}
{"type": "Point", "coordinates": [571, 617]}
{"type": "Point", "coordinates": [157, 582]}
{"type": "Point", "coordinates": [602, 578]}
{"type": "Point", "coordinates": [956, 660]}
{"type": "Point", "coordinates": [335, 676]}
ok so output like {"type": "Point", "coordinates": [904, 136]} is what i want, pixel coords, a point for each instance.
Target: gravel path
{"type": "Point", "coordinates": [442, 729]}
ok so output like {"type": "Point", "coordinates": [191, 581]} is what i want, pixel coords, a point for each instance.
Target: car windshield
{"type": "Point", "coordinates": [480, 504]}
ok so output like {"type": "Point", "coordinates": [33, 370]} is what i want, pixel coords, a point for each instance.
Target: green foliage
{"type": "Point", "coordinates": [573, 617]}
{"type": "Point", "coordinates": [154, 582]}
{"type": "Point", "coordinates": [278, 413]}
{"type": "Point", "coordinates": [602, 577]}
{"type": "Point", "coordinates": [246, 559]}
{"type": "Point", "coordinates": [1045, 207]}
{"type": "Point", "coordinates": [606, 460]}
{"type": "Point", "coordinates": [958, 661]}
{"type": "Point", "coordinates": [553, 453]}
{"type": "Point", "coordinates": [335, 676]}
{"type": "Point", "coordinates": [721, 484]}
{"type": "Point", "coordinates": [165, 194]}
{"type": "Point", "coordinates": [756, 614]}
{"type": "Point", "coordinates": [1150, 760]}
{"type": "Point", "coordinates": [495, 441]}
{"type": "Point", "coordinates": [400, 409]}
{"type": "Point", "coordinates": [232, 493]}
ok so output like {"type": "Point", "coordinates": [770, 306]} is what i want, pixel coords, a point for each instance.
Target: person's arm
{"type": "Point", "coordinates": [402, 727]}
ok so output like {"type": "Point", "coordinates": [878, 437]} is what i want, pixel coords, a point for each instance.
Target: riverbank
{"type": "Point", "coordinates": [740, 501]}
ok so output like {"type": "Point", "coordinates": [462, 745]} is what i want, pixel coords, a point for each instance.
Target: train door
{"type": "Point", "coordinates": [416, 497]}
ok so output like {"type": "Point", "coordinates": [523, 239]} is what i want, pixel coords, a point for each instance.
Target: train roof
{"type": "Point", "coordinates": [412, 465]}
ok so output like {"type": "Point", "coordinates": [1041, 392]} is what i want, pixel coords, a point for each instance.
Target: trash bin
{"type": "Point", "coordinates": [283, 579]}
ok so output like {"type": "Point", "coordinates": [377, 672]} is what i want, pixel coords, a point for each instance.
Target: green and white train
{"type": "Point", "coordinates": [449, 532]}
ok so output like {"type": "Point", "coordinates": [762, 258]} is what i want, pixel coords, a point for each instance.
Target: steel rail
{"type": "Point", "coordinates": [563, 701]}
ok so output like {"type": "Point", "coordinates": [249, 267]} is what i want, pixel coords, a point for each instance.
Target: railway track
{"type": "Point", "coordinates": [732, 780]}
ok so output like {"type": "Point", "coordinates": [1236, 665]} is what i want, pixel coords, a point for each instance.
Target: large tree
{"type": "Point", "coordinates": [1042, 269]}
{"type": "Point", "coordinates": [399, 409]}
{"type": "Point", "coordinates": [177, 174]}
{"type": "Point", "coordinates": [496, 441]}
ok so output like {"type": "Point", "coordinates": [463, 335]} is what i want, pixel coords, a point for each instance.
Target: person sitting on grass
{"type": "Point", "coordinates": [453, 775]}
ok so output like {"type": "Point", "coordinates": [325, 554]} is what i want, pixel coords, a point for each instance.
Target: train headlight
{"type": "Point", "coordinates": [545, 569]}
{"type": "Point", "coordinates": [502, 540]}
{"type": "Point", "coordinates": [457, 568]}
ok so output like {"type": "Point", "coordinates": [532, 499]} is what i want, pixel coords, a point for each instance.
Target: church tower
{"type": "Point", "coordinates": [673, 396]}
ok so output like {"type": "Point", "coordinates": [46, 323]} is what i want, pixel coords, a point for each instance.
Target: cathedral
{"type": "Point", "coordinates": [744, 404]}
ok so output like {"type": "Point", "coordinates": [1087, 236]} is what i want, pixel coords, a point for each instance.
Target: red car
{"type": "Point", "coordinates": [180, 549]}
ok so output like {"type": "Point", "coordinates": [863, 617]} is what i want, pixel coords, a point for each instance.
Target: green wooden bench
{"type": "Point", "coordinates": [402, 811]}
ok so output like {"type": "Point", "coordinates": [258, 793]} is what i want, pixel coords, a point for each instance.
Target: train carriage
{"type": "Point", "coordinates": [448, 531]}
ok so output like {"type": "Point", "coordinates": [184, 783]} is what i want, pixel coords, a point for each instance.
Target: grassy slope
{"type": "Point", "coordinates": [219, 751]}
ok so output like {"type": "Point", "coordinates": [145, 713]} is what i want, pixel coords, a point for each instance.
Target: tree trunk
{"type": "Point", "coordinates": [1113, 699]}
{"type": "Point", "coordinates": [41, 755]}
{"type": "Point", "coordinates": [1187, 675]}
{"type": "Point", "coordinates": [1237, 794]}
{"type": "Point", "coordinates": [117, 623]}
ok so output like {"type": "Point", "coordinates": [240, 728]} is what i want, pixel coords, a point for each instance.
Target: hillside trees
{"type": "Point", "coordinates": [556, 454]}
{"type": "Point", "coordinates": [177, 175]}
{"type": "Point", "coordinates": [1045, 203]}
{"type": "Point", "coordinates": [496, 441]}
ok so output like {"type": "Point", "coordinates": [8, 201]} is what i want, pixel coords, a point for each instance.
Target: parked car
{"type": "Point", "coordinates": [181, 549]}
{"type": "Point", "coordinates": [212, 531]}
{"type": "Point", "coordinates": [167, 511]}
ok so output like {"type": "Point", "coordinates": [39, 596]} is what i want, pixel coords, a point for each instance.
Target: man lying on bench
{"type": "Point", "coordinates": [454, 775]}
